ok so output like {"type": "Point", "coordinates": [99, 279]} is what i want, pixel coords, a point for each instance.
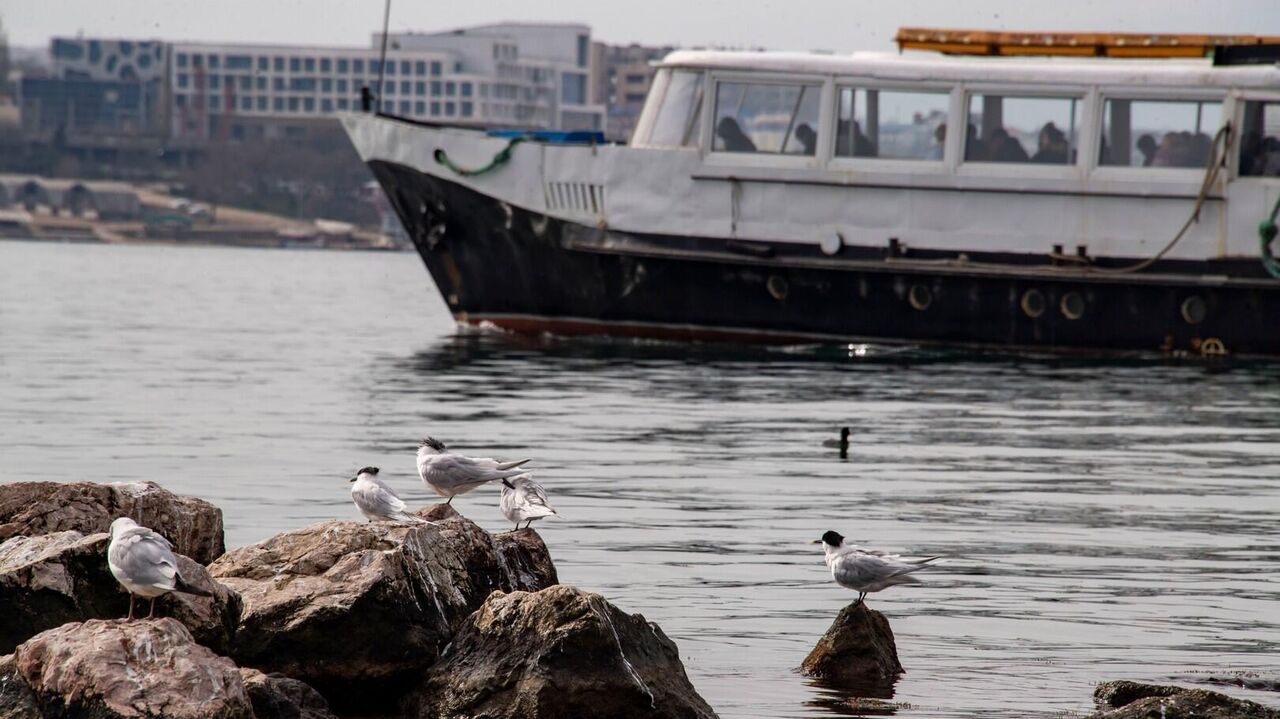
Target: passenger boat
{"type": "Point", "coordinates": [1105, 201]}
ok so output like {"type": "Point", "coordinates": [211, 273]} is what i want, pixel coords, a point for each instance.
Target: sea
{"type": "Point", "coordinates": [1101, 519]}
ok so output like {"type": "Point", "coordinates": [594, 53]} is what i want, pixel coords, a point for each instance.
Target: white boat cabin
{"type": "Point", "coordinates": [1002, 154]}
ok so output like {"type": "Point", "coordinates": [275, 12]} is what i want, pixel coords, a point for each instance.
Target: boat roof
{"type": "Point", "coordinates": [1172, 72]}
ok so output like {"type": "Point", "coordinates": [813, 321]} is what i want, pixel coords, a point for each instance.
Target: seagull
{"type": "Point", "coordinates": [449, 474]}
{"type": "Point", "coordinates": [867, 570]}
{"type": "Point", "coordinates": [143, 562]}
{"type": "Point", "coordinates": [524, 500]}
{"type": "Point", "coordinates": [378, 502]}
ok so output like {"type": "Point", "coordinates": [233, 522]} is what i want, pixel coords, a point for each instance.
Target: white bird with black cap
{"type": "Point", "coordinates": [867, 570]}
{"type": "Point", "coordinates": [377, 501]}
{"type": "Point", "coordinates": [524, 500]}
{"type": "Point", "coordinates": [448, 474]}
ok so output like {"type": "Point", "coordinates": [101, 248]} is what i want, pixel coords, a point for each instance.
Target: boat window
{"type": "Point", "coordinates": [677, 121]}
{"type": "Point", "coordinates": [1026, 129]}
{"type": "Point", "coordinates": [773, 118]}
{"type": "Point", "coordinates": [1260, 139]}
{"type": "Point", "coordinates": [891, 124]}
{"type": "Point", "coordinates": [1158, 133]}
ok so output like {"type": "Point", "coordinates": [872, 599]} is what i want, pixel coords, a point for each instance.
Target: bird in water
{"type": "Point", "coordinates": [841, 444]}
{"type": "Point", "coordinates": [144, 564]}
{"type": "Point", "coordinates": [524, 500]}
{"type": "Point", "coordinates": [867, 570]}
{"type": "Point", "coordinates": [377, 501]}
{"type": "Point", "coordinates": [448, 474]}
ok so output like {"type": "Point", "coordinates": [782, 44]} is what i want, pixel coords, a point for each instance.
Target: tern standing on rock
{"type": "Point", "coordinates": [143, 562]}
{"type": "Point", "coordinates": [449, 474]}
{"type": "Point", "coordinates": [378, 502]}
{"type": "Point", "coordinates": [867, 570]}
{"type": "Point", "coordinates": [524, 500]}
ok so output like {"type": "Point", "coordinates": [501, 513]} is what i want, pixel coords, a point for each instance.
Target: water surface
{"type": "Point", "coordinates": [1105, 520]}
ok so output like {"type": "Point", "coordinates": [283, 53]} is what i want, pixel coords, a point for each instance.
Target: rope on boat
{"type": "Point", "coordinates": [1266, 233]}
{"type": "Point", "coordinates": [500, 158]}
{"type": "Point", "coordinates": [1217, 161]}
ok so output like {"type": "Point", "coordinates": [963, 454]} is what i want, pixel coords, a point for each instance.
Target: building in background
{"type": "Point", "coordinates": [621, 76]}
{"type": "Point", "coordinates": [507, 75]}
{"type": "Point", "coordinates": [98, 100]}
{"type": "Point", "coordinates": [4, 61]}
{"type": "Point", "coordinates": [525, 74]}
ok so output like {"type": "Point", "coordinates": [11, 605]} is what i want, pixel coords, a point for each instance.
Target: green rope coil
{"type": "Point", "coordinates": [1267, 231]}
{"type": "Point", "coordinates": [501, 158]}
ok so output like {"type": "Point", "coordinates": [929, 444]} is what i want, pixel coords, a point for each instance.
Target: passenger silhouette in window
{"type": "Point", "coordinates": [975, 150]}
{"type": "Point", "coordinates": [735, 140]}
{"type": "Point", "coordinates": [1003, 148]}
{"type": "Point", "coordinates": [1147, 146]}
{"type": "Point", "coordinates": [808, 139]}
{"type": "Point", "coordinates": [1051, 146]}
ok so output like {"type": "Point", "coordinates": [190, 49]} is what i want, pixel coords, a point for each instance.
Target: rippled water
{"type": "Point", "coordinates": [1105, 520]}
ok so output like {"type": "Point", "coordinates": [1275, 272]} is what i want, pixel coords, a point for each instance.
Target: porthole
{"type": "Point", "coordinates": [777, 287]}
{"type": "Point", "coordinates": [1072, 306]}
{"type": "Point", "coordinates": [920, 297]}
{"type": "Point", "coordinates": [1033, 303]}
{"type": "Point", "coordinates": [1194, 310]}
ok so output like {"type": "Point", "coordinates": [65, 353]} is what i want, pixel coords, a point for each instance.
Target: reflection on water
{"type": "Point", "coordinates": [1104, 520]}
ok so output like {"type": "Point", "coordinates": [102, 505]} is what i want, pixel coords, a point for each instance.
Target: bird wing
{"type": "Point", "coordinates": [377, 498]}
{"type": "Point", "coordinates": [859, 569]}
{"type": "Point", "coordinates": [454, 470]}
{"type": "Point", "coordinates": [535, 497]}
{"type": "Point", "coordinates": [146, 558]}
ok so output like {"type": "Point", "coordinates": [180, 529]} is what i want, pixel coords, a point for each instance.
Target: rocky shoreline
{"type": "Point", "coordinates": [357, 619]}
{"type": "Point", "coordinates": [340, 618]}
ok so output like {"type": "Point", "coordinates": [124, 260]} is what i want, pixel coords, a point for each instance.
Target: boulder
{"type": "Point", "coordinates": [115, 668]}
{"type": "Point", "coordinates": [559, 652]}
{"type": "Point", "coordinates": [275, 696]}
{"type": "Point", "coordinates": [33, 508]}
{"type": "Point", "coordinates": [17, 701]}
{"type": "Point", "coordinates": [52, 579]}
{"type": "Point", "coordinates": [1134, 700]}
{"type": "Point", "coordinates": [358, 609]}
{"type": "Point", "coordinates": [1242, 680]}
{"type": "Point", "coordinates": [858, 650]}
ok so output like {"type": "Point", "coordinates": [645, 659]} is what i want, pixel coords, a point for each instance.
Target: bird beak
{"type": "Point", "coordinates": [507, 484]}
{"type": "Point", "coordinates": [816, 541]}
{"type": "Point", "coordinates": [354, 478]}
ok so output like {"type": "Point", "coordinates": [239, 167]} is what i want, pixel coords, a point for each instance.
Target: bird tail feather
{"type": "Point", "coordinates": [511, 465]}
{"type": "Point", "coordinates": [182, 585]}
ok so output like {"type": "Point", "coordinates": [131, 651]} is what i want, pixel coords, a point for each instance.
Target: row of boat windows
{"type": "Point", "coordinates": [911, 125]}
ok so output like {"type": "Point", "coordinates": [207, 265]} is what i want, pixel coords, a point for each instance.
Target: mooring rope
{"type": "Point", "coordinates": [501, 158]}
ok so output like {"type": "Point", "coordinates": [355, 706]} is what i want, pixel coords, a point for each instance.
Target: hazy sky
{"type": "Point", "coordinates": [839, 25]}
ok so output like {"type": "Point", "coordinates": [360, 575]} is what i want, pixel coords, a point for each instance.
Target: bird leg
{"type": "Point", "coordinates": [861, 597]}
{"type": "Point", "coordinates": [449, 500]}
{"type": "Point", "coordinates": [152, 613]}
{"type": "Point", "coordinates": [130, 605]}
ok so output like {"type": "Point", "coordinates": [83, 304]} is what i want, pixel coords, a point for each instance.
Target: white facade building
{"type": "Point", "coordinates": [512, 75]}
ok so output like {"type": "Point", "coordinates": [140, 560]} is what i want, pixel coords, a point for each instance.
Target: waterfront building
{"type": "Point", "coordinates": [507, 75]}
{"type": "Point", "coordinates": [621, 76]}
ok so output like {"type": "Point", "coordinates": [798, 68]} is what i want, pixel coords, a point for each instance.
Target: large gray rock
{"type": "Point", "coordinates": [1134, 700]}
{"type": "Point", "coordinates": [276, 696]}
{"type": "Point", "coordinates": [560, 652]}
{"type": "Point", "coordinates": [109, 669]}
{"type": "Point", "coordinates": [358, 609]}
{"type": "Point", "coordinates": [51, 579]}
{"type": "Point", "coordinates": [857, 650]}
{"type": "Point", "coordinates": [32, 508]}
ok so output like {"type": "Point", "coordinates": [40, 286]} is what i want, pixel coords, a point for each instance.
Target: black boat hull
{"type": "Point", "coordinates": [528, 272]}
